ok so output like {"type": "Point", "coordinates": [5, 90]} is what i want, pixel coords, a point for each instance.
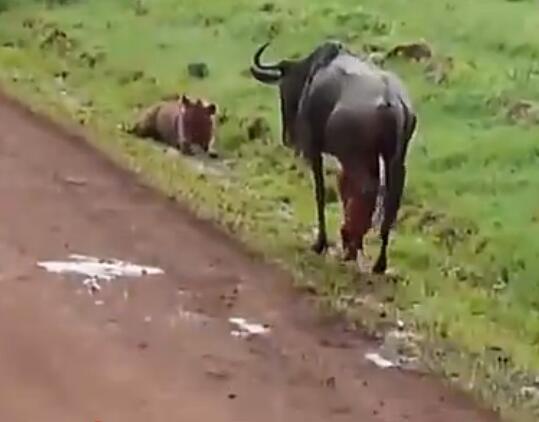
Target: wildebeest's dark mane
{"type": "Point", "coordinates": [321, 57]}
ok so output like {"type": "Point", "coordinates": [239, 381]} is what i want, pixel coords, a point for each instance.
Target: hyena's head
{"type": "Point", "coordinates": [198, 121]}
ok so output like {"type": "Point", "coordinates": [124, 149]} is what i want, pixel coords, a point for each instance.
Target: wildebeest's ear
{"type": "Point", "coordinates": [212, 108]}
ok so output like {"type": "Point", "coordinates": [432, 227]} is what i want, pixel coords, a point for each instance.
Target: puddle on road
{"type": "Point", "coordinates": [246, 329]}
{"type": "Point", "coordinates": [96, 270]}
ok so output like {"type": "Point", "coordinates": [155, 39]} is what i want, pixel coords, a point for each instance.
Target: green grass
{"type": "Point", "coordinates": [467, 244]}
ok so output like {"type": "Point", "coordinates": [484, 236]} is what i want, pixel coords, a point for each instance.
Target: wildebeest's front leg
{"type": "Point", "coordinates": [317, 164]}
{"type": "Point", "coordinates": [395, 179]}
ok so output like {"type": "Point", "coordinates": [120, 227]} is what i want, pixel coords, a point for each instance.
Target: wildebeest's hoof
{"type": "Point", "coordinates": [320, 246]}
{"type": "Point", "coordinates": [380, 266]}
{"type": "Point", "coordinates": [213, 155]}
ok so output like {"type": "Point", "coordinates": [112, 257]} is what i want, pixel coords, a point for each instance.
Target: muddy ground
{"type": "Point", "coordinates": [161, 347]}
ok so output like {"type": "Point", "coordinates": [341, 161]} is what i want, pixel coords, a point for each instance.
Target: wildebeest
{"type": "Point", "coordinates": [178, 123]}
{"type": "Point", "coordinates": [334, 102]}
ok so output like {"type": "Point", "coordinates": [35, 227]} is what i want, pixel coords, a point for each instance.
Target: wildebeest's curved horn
{"type": "Point", "coordinates": [264, 72]}
{"type": "Point", "coordinates": [265, 76]}
{"type": "Point", "coordinates": [258, 55]}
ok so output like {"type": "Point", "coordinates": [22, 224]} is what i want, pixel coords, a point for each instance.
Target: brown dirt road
{"type": "Point", "coordinates": [138, 356]}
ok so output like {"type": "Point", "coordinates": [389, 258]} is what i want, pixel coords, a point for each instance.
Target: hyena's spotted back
{"type": "Point", "coordinates": [159, 122]}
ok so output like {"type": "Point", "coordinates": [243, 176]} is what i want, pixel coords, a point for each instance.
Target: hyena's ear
{"type": "Point", "coordinates": [186, 101]}
{"type": "Point", "coordinates": [212, 109]}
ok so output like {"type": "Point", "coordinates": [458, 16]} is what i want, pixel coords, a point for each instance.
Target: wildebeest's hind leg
{"type": "Point", "coordinates": [317, 165]}
{"type": "Point", "coordinates": [285, 139]}
{"type": "Point", "coordinates": [343, 185]}
{"type": "Point", "coordinates": [395, 173]}
{"type": "Point", "coordinates": [358, 187]}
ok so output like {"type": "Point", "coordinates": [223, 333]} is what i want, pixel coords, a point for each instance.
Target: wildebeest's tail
{"type": "Point", "coordinates": [405, 130]}
{"type": "Point", "coordinates": [404, 125]}
{"type": "Point", "coordinates": [389, 198]}
{"type": "Point", "coordinates": [387, 109]}
{"type": "Point", "coordinates": [378, 213]}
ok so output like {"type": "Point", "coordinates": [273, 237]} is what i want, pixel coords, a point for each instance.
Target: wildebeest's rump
{"type": "Point", "coordinates": [179, 124]}
{"type": "Point", "coordinates": [336, 103]}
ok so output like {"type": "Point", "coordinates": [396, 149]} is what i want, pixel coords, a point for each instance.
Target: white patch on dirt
{"type": "Point", "coordinates": [363, 262]}
{"type": "Point", "coordinates": [530, 392]}
{"type": "Point", "coordinates": [96, 270]}
{"type": "Point", "coordinates": [379, 361]}
{"type": "Point", "coordinates": [246, 329]}
{"type": "Point", "coordinates": [400, 349]}
{"type": "Point", "coordinates": [206, 166]}
{"type": "Point", "coordinates": [192, 317]}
